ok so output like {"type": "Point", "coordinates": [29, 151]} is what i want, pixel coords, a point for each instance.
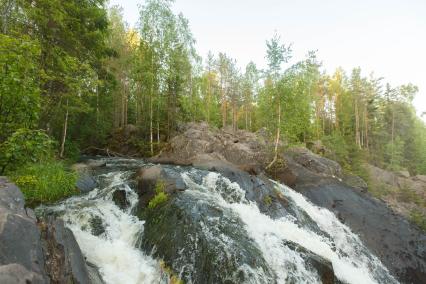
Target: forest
{"type": "Point", "coordinates": [73, 71]}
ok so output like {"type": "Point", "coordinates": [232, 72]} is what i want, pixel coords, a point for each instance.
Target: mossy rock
{"type": "Point", "coordinates": [203, 243]}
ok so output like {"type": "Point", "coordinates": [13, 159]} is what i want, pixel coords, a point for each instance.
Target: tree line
{"type": "Point", "coordinates": [73, 70]}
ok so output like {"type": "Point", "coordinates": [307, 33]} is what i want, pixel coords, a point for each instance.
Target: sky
{"type": "Point", "coordinates": [387, 37]}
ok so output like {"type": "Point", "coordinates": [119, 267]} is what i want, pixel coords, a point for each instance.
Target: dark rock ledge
{"type": "Point", "coordinates": [34, 251]}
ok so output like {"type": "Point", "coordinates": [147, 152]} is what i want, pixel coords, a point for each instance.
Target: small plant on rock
{"type": "Point", "coordinates": [160, 195]}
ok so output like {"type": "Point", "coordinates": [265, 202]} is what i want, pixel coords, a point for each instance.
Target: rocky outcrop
{"type": "Point", "coordinates": [199, 143]}
{"type": "Point", "coordinates": [206, 243]}
{"type": "Point", "coordinates": [404, 193]}
{"type": "Point", "coordinates": [35, 252]}
{"type": "Point", "coordinates": [183, 230]}
{"type": "Point", "coordinates": [400, 245]}
{"type": "Point", "coordinates": [63, 258]}
{"type": "Point", "coordinates": [21, 253]}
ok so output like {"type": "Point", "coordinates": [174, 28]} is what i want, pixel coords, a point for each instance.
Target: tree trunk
{"type": "Point", "coordinates": [357, 134]}
{"type": "Point", "coordinates": [393, 135]}
{"type": "Point", "coordinates": [277, 139]}
{"type": "Point", "coordinates": [366, 130]}
{"type": "Point", "coordinates": [64, 134]}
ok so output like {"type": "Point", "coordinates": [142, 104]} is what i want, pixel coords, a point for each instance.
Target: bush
{"type": "Point", "coordinates": [160, 196]}
{"type": "Point", "coordinates": [24, 147]}
{"type": "Point", "coordinates": [45, 183]}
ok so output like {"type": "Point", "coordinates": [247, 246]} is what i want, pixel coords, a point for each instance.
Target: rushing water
{"type": "Point", "coordinates": [114, 249]}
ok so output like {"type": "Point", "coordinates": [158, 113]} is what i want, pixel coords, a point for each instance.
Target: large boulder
{"type": "Point", "coordinates": [32, 251]}
{"type": "Point", "coordinates": [85, 171]}
{"type": "Point", "coordinates": [65, 262]}
{"type": "Point", "coordinates": [21, 254]}
{"type": "Point", "coordinates": [204, 242]}
{"type": "Point", "coordinates": [240, 148]}
{"type": "Point", "coordinates": [150, 178]}
{"type": "Point", "coordinates": [314, 163]}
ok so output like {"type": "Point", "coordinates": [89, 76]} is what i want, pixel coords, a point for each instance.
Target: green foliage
{"type": "Point", "coordinates": [394, 153]}
{"type": "Point", "coordinates": [19, 84]}
{"type": "Point", "coordinates": [45, 182]}
{"type": "Point", "coordinates": [267, 200]}
{"type": "Point", "coordinates": [160, 195]}
{"type": "Point", "coordinates": [173, 278]}
{"type": "Point", "coordinates": [23, 147]}
{"type": "Point", "coordinates": [339, 149]}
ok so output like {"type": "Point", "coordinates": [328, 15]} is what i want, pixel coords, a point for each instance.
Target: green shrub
{"type": "Point", "coordinates": [45, 183]}
{"type": "Point", "coordinates": [158, 199]}
{"type": "Point", "coordinates": [160, 196]}
{"type": "Point", "coordinates": [24, 147]}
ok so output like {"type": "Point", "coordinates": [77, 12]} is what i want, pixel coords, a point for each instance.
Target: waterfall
{"type": "Point", "coordinates": [114, 250]}
{"type": "Point", "coordinates": [109, 237]}
{"type": "Point", "coordinates": [352, 261]}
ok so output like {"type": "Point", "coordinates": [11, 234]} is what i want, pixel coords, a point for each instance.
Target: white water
{"type": "Point", "coordinates": [115, 252]}
{"type": "Point", "coordinates": [352, 262]}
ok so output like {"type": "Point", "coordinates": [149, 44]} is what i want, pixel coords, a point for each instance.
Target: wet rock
{"type": "Point", "coordinates": [86, 183]}
{"type": "Point", "coordinates": [64, 261]}
{"type": "Point", "coordinates": [203, 243]}
{"type": "Point", "coordinates": [120, 199]}
{"type": "Point", "coordinates": [147, 179]}
{"type": "Point", "coordinates": [94, 274]}
{"type": "Point", "coordinates": [321, 265]}
{"type": "Point", "coordinates": [21, 255]}
{"type": "Point", "coordinates": [97, 226]}
{"type": "Point", "coordinates": [35, 252]}
{"type": "Point", "coordinates": [399, 245]}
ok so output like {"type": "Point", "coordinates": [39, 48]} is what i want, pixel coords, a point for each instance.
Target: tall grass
{"type": "Point", "coordinates": [45, 183]}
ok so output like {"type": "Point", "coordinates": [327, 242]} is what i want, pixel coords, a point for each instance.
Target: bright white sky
{"type": "Point", "coordinates": [384, 36]}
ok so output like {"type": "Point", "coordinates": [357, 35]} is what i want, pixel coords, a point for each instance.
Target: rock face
{"type": "Point", "coordinates": [21, 254]}
{"type": "Point", "coordinates": [204, 242]}
{"type": "Point", "coordinates": [198, 143]}
{"type": "Point", "coordinates": [32, 252]}
{"type": "Point", "coordinates": [64, 261]}
{"type": "Point", "coordinates": [179, 232]}
{"type": "Point", "coordinates": [400, 245]}
{"type": "Point", "coordinates": [404, 193]}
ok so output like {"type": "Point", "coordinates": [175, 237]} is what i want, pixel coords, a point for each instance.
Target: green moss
{"type": "Point", "coordinates": [173, 279]}
{"type": "Point", "coordinates": [45, 183]}
{"type": "Point", "coordinates": [160, 195]}
{"type": "Point", "coordinates": [158, 199]}
{"type": "Point", "coordinates": [267, 200]}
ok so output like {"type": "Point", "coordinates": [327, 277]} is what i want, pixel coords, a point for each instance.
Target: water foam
{"type": "Point", "coordinates": [114, 251]}
{"type": "Point", "coordinates": [352, 262]}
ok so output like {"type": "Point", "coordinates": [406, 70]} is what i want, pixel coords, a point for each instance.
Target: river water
{"type": "Point", "coordinates": [110, 237]}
